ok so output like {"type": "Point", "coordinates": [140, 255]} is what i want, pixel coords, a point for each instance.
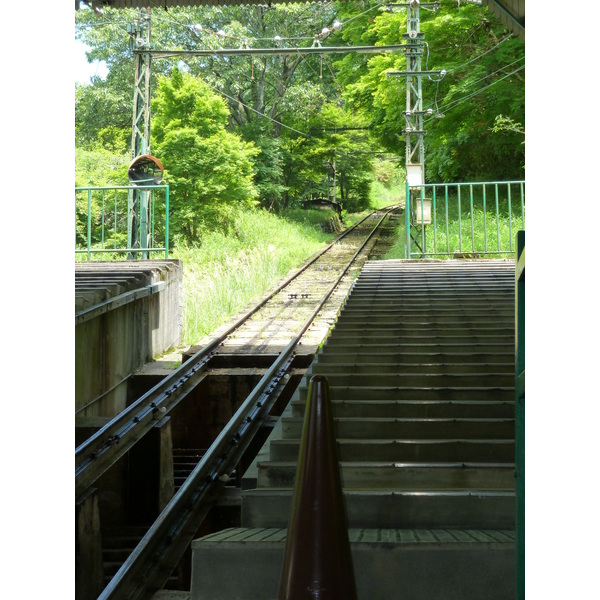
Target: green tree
{"type": "Point", "coordinates": [334, 160]}
{"type": "Point", "coordinates": [96, 167]}
{"type": "Point", "coordinates": [208, 168]}
{"type": "Point", "coordinates": [105, 103]}
{"type": "Point", "coordinates": [485, 78]}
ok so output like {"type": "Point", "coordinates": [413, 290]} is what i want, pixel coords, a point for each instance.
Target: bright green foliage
{"type": "Point", "coordinates": [102, 117]}
{"type": "Point", "coordinates": [185, 102]}
{"type": "Point", "coordinates": [105, 103]}
{"type": "Point", "coordinates": [206, 166]}
{"type": "Point", "coordinates": [268, 164]}
{"type": "Point", "coordinates": [478, 88]}
{"type": "Point", "coordinates": [484, 79]}
{"type": "Point", "coordinates": [475, 133]}
{"type": "Point", "coordinates": [387, 187]}
{"type": "Point", "coordinates": [98, 167]}
{"type": "Point", "coordinates": [338, 143]}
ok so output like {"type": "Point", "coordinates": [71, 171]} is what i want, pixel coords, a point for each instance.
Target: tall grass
{"type": "Point", "coordinates": [385, 195]}
{"type": "Point", "coordinates": [226, 272]}
{"type": "Point", "coordinates": [477, 232]}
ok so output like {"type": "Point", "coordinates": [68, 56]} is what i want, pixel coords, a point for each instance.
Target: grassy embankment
{"type": "Point", "coordinates": [225, 273]}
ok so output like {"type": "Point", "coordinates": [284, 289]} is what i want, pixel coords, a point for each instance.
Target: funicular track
{"type": "Point", "coordinates": [150, 564]}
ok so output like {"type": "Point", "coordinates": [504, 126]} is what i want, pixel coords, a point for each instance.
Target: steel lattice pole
{"type": "Point", "coordinates": [140, 131]}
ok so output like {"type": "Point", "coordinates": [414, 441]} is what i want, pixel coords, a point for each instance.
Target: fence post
{"type": "Point", "coordinates": [167, 222]}
{"type": "Point", "coordinates": [89, 225]}
{"type": "Point", "coordinates": [407, 220]}
{"type": "Point", "coordinates": [520, 412]}
{"type": "Point", "coordinates": [317, 562]}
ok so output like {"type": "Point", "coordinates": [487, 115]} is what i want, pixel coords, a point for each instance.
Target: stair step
{"type": "Point", "coordinates": [434, 409]}
{"type": "Point", "coordinates": [111, 567]}
{"type": "Point", "coordinates": [408, 450]}
{"type": "Point", "coordinates": [385, 299]}
{"type": "Point", "coordinates": [125, 536]}
{"type": "Point", "coordinates": [398, 294]}
{"type": "Point", "coordinates": [406, 326]}
{"type": "Point", "coordinates": [400, 345]}
{"type": "Point", "coordinates": [117, 555]}
{"type": "Point", "coordinates": [179, 464]}
{"type": "Point", "coordinates": [346, 392]}
{"type": "Point", "coordinates": [393, 356]}
{"type": "Point", "coordinates": [451, 564]}
{"type": "Point", "coordinates": [375, 368]}
{"type": "Point", "coordinates": [423, 318]}
{"type": "Point", "coordinates": [401, 475]}
{"type": "Point", "coordinates": [392, 337]}
{"type": "Point", "coordinates": [403, 308]}
{"type": "Point", "coordinates": [476, 509]}
{"type": "Point", "coordinates": [376, 429]}
{"type": "Point", "coordinates": [421, 377]}
{"type": "Point", "coordinates": [426, 380]}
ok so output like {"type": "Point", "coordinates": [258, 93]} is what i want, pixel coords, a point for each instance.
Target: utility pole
{"type": "Point", "coordinates": [415, 147]}
{"type": "Point", "coordinates": [415, 151]}
{"type": "Point", "coordinates": [413, 114]}
{"type": "Point", "coordinates": [137, 205]}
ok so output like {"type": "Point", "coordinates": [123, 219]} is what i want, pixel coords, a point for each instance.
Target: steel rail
{"type": "Point", "coordinates": [101, 450]}
{"type": "Point", "coordinates": [149, 565]}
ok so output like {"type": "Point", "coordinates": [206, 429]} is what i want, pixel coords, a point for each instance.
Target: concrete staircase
{"type": "Point", "coordinates": [421, 373]}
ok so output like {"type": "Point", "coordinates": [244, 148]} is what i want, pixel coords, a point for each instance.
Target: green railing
{"type": "Point", "coordinates": [520, 412]}
{"type": "Point", "coordinates": [463, 219]}
{"type": "Point", "coordinates": [104, 228]}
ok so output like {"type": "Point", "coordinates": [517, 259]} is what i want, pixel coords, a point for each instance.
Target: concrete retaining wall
{"type": "Point", "coordinates": [117, 332]}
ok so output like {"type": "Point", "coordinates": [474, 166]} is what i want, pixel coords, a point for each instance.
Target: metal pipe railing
{"type": "Point", "coordinates": [457, 227]}
{"type": "Point", "coordinates": [520, 413]}
{"type": "Point", "coordinates": [317, 563]}
{"type": "Point", "coordinates": [99, 220]}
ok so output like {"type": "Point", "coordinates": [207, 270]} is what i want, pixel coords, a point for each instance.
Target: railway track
{"type": "Point", "coordinates": [294, 313]}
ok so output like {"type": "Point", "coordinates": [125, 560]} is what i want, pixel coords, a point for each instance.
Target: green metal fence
{"type": "Point", "coordinates": [520, 412]}
{"type": "Point", "coordinates": [103, 227]}
{"type": "Point", "coordinates": [463, 219]}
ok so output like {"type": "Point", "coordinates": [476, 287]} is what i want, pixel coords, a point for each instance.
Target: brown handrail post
{"type": "Point", "coordinates": [317, 562]}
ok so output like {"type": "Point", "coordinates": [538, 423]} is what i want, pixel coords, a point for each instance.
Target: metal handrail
{"type": "Point", "coordinates": [520, 414]}
{"type": "Point", "coordinates": [317, 553]}
{"type": "Point", "coordinates": [428, 232]}
{"type": "Point", "coordinates": [89, 250]}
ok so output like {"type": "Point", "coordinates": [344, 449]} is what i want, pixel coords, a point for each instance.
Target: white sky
{"type": "Point", "coordinates": [84, 70]}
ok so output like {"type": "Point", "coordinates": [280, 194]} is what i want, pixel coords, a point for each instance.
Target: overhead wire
{"type": "Point", "coordinates": [510, 35]}
{"type": "Point", "coordinates": [364, 12]}
{"type": "Point", "coordinates": [471, 83]}
{"type": "Point", "coordinates": [455, 103]}
{"type": "Point", "coordinates": [468, 84]}
{"type": "Point", "coordinates": [452, 69]}
{"type": "Point", "coordinates": [256, 111]}
{"type": "Point", "coordinates": [245, 40]}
